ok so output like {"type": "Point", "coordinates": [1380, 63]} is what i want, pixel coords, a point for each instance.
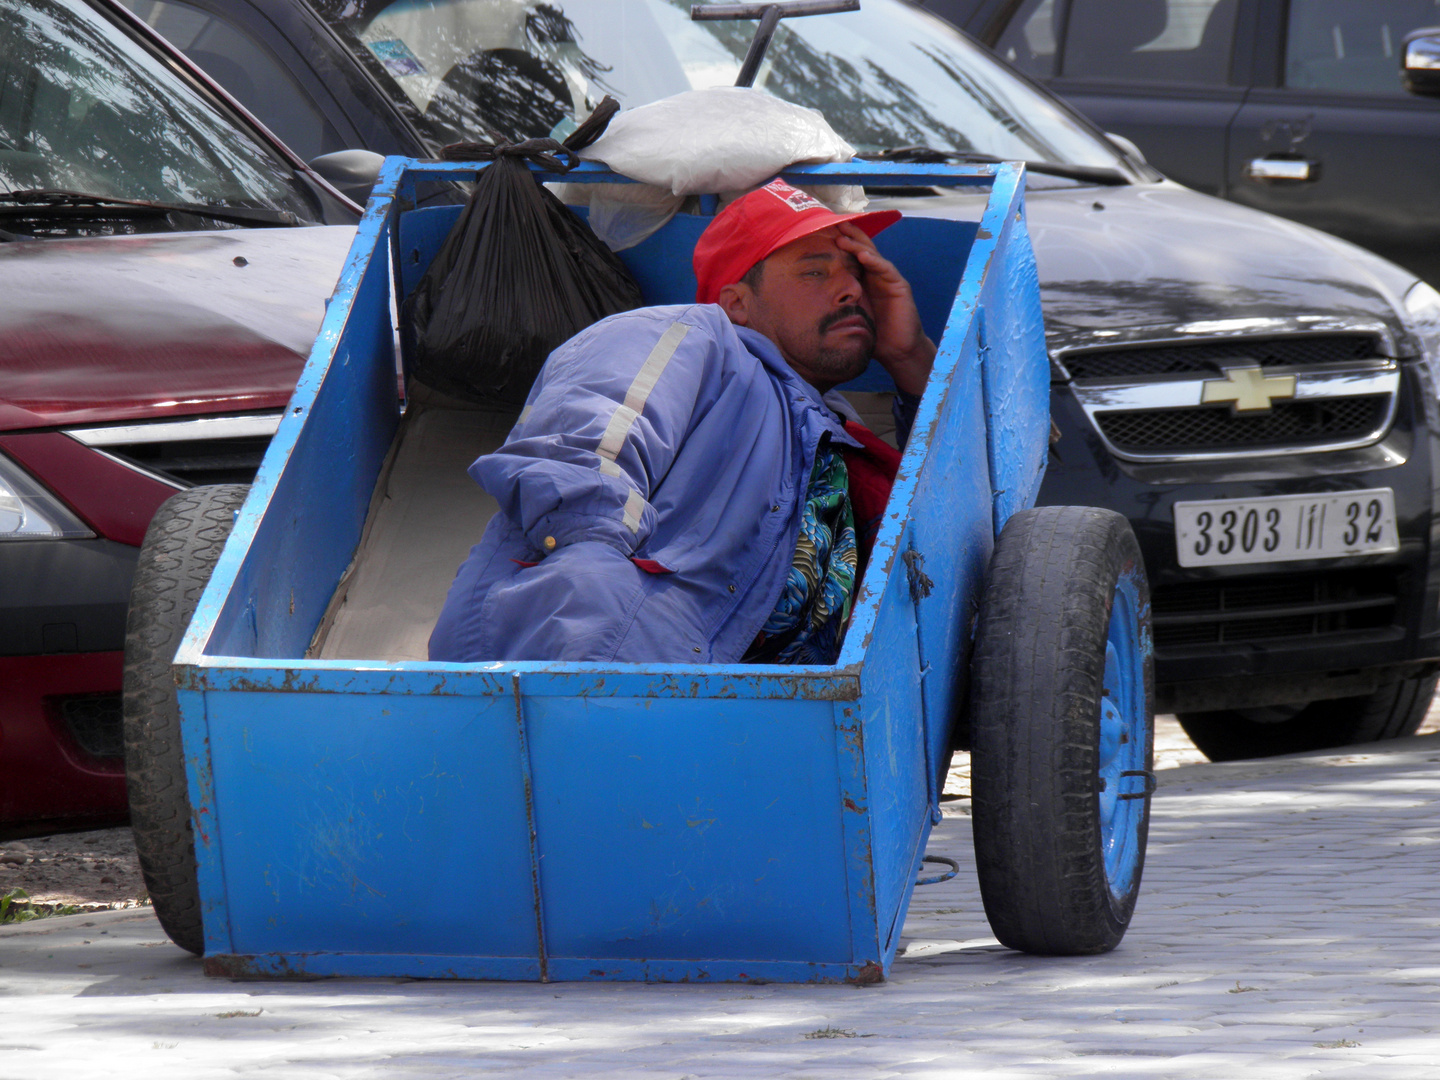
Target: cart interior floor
{"type": "Point", "coordinates": [424, 518]}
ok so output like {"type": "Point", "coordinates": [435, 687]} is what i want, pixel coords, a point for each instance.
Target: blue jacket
{"type": "Point", "coordinates": [666, 454]}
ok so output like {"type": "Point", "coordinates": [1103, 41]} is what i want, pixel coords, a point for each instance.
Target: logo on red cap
{"type": "Point", "coordinates": [794, 198]}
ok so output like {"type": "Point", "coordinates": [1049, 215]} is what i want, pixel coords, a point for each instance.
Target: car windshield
{"type": "Point", "coordinates": [84, 107]}
{"type": "Point", "coordinates": [886, 76]}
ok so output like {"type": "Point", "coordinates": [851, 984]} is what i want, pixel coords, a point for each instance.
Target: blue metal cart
{"type": "Point", "coordinates": [559, 821]}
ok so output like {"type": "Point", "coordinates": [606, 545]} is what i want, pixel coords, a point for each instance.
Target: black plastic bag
{"type": "Point", "coordinates": [519, 274]}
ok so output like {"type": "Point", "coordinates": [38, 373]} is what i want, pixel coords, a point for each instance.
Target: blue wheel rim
{"type": "Point", "coordinates": [1124, 743]}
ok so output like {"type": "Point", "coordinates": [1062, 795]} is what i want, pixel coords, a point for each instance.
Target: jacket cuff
{"type": "Point", "coordinates": [558, 530]}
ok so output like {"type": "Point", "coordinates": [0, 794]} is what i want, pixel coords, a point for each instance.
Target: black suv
{"type": "Point", "coordinates": [1303, 108]}
{"type": "Point", "coordinates": [1265, 387]}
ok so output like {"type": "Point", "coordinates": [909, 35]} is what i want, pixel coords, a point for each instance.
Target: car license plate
{"type": "Point", "coordinates": [1224, 532]}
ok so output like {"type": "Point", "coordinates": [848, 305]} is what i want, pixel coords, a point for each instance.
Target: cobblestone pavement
{"type": "Point", "coordinates": [1288, 927]}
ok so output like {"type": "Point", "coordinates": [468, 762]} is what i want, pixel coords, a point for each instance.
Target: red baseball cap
{"type": "Point", "coordinates": [760, 223]}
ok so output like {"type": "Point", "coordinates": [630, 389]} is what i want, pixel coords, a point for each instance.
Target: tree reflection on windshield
{"type": "Point", "coordinates": [871, 106]}
{"type": "Point", "coordinates": [516, 93]}
{"type": "Point", "coordinates": [83, 107]}
{"type": "Point", "coordinates": [902, 88]}
{"type": "Point", "coordinates": [887, 75]}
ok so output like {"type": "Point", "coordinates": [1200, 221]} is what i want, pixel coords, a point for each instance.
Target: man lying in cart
{"type": "Point", "coordinates": [685, 484]}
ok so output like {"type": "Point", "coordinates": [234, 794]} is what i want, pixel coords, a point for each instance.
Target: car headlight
{"type": "Point", "coordinates": [29, 512]}
{"type": "Point", "coordinates": [1422, 305]}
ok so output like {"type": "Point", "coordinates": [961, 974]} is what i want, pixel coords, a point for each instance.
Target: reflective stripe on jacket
{"type": "Point", "coordinates": [665, 453]}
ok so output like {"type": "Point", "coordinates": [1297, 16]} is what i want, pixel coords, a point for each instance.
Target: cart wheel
{"type": "Point", "coordinates": [181, 545]}
{"type": "Point", "coordinates": [1062, 726]}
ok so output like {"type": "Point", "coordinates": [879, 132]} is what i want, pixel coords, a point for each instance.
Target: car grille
{"type": "Point", "coordinates": [1207, 357]}
{"type": "Point", "coordinates": [198, 461]}
{"type": "Point", "coordinates": [1271, 607]}
{"type": "Point", "coordinates": [1293, 424]}
{"type": "Point", "coordinates": [94, 722]}
{"type": "Point", "coordinates": [226, 449]}
{"type": "Point", "coordinates": [1172, 401]}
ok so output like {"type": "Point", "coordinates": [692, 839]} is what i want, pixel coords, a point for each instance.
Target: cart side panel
{"type": "Point", "coordinates": [950, 542]}
{"type": "Point", "coordinates": [316, 492]}
{"type": "Point", "coordinates": [420, 236]}
{"type": "Point", "coordinates": [938, 569]}
{"type": "Point", "coordinates": [1017, 379]}
{"type": "Point", "coordinates": [716, 835]}
{"type": "Point", "coordinates": [205, 823]}
{"type": "Point", "coordinates": [930, 252]}
{"type": "Point", "coordinates": [897, 802]}
{"type": "Point", "coordinates": [663, 263]}
{"type": "Point", "coordinates": [373, 824]}
{"type": "Point", "coordinates": [986, 436]}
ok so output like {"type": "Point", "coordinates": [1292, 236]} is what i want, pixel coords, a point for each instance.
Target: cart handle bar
{"type": "Point", "coordinates": [769, 16]}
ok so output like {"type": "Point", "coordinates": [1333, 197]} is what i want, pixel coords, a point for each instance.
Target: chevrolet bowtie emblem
{"type": "Point", "coordinates": [1247, 387]}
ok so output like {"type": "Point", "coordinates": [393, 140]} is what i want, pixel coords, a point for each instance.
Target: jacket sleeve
{"type": "Point", "coordinates": [603, 423]}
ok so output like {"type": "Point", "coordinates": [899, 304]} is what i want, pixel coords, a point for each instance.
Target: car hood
{"type": "Point", "coordinates": [1159, 261]}
{"type": "Point", "coordinates": [160, 325]}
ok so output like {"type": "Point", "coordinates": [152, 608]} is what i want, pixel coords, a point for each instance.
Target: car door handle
{"type": "Point", "coordinates": [1282, 170]}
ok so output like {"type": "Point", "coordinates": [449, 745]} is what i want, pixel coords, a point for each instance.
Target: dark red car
{"type": "Point", "coordinates": [164, 263]}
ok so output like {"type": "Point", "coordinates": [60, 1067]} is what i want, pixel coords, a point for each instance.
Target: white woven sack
{"type": "Point", "coordinates": [728, 138]}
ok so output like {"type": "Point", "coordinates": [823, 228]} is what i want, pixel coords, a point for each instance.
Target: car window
{"type": "Point", "coordinates": [1162, 41]}
{"type": "Point", "coordinates": [247, 69]}
{"type": "Point", "coordinates": [888, 75]}
{"type": "Point", "coordinates": [1352, 46]}
{"type": "Point", "coordinates": [85, 107]}
{"type": "Point", "coordinates": [1028, 40]}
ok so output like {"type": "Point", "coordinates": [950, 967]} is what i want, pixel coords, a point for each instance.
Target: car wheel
{"type": "Point", "coordinates": [1394, 710]}
{"type": "Point", "coordinates": [178, 555]}
{"type": "Point", "coordinates": [1062, 729]}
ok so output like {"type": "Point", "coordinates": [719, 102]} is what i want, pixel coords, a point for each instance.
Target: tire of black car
{"type": "Point", "coordinates": [1062, 725]}
{"type": "Point", "coordinates": [178, 555]}
{"type": "Point", "coordinates": [1394, 710]}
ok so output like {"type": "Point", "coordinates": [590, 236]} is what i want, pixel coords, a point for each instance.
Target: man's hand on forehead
{"type": "Point", "coordinates": [901, 345]}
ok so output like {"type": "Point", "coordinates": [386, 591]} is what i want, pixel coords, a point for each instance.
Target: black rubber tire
{"type": "Point", "coordinates": [1394, 710]}
{"type": "Point", "coordinates": [1038, 680]}
{"type": "Point", "coordinates": [183, 542]}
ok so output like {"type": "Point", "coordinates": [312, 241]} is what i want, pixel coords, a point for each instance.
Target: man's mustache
{"type": "Point", "coordinates": [847, 312]}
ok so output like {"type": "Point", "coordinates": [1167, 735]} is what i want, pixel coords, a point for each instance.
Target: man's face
{"type": "Point", "coordinates": [810, 301]}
